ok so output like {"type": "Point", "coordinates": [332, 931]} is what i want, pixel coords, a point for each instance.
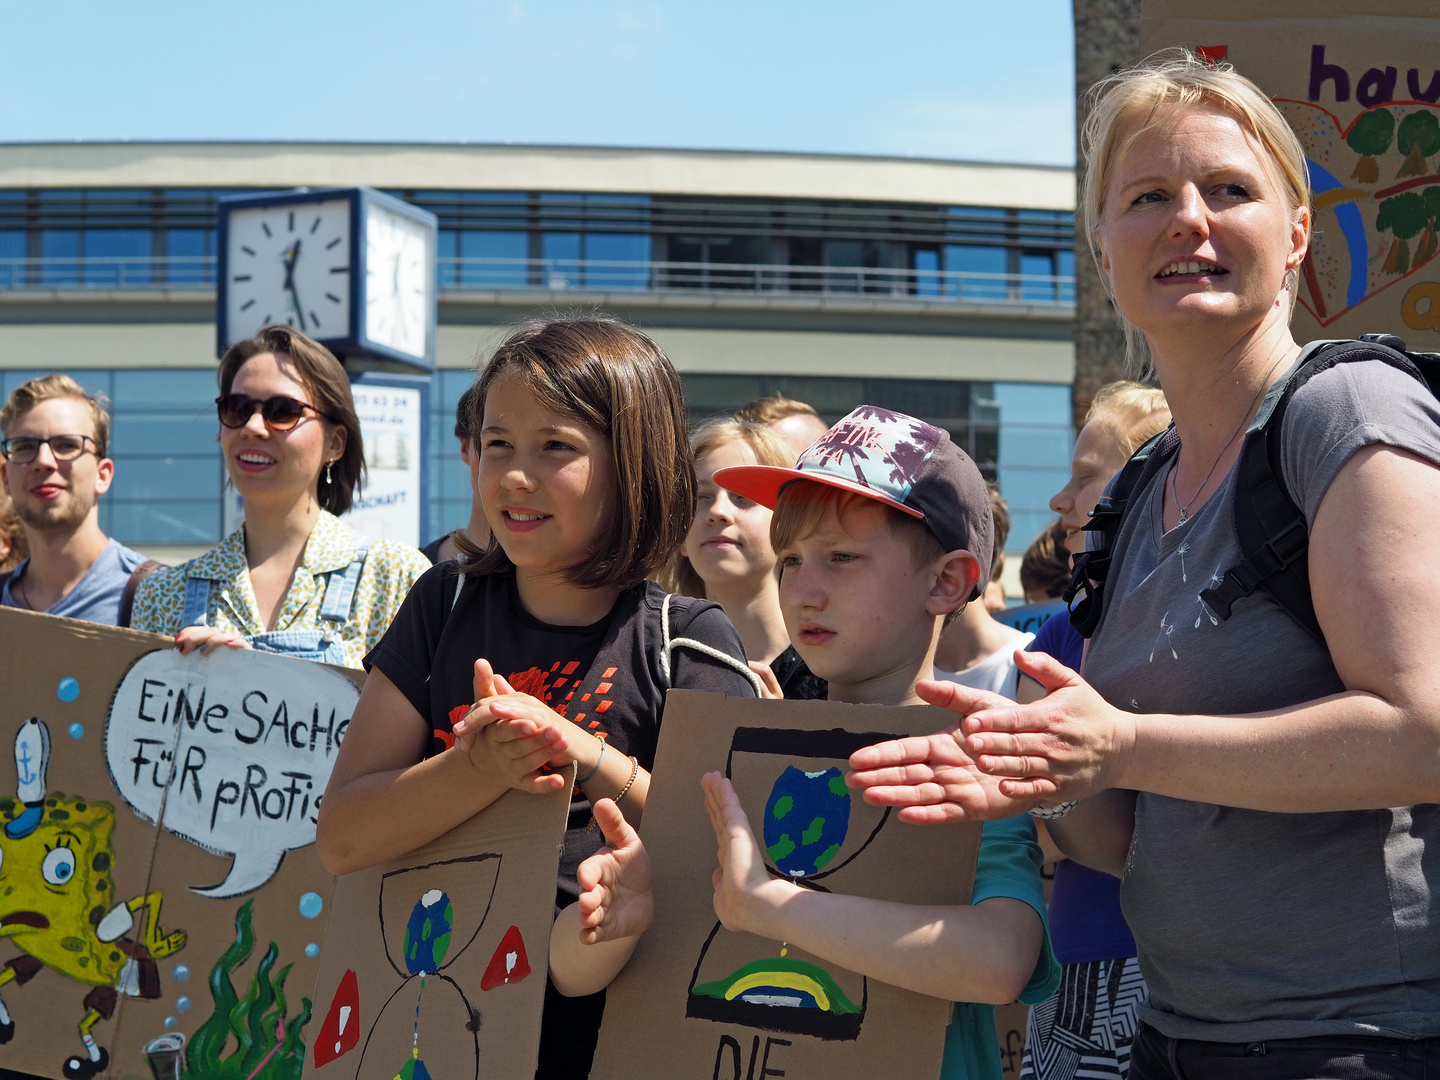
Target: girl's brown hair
{"type": "Point", "coordinates": [614, 379]}
{"type": "Point", "coordinates": [680, 576]}
{"type": "Point", "coordinates": [329, 389]}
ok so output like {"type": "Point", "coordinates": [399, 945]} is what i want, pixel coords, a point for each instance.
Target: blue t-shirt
{"type": "Point", "coordinates": [1009, 866]}
{"type": "Point", "coordinates": [1085, 919]}
{"type": "Point", "coordinates": [96, 596]}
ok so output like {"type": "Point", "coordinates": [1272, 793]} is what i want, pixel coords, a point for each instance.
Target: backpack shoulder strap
{"type": "Point", "coordinates": [1093, 566]}
{"type": "Point", "coordinates": [669, 645]}
{"type": "Point", "coordinates": [127, 598]}
{"type": "Point", "coordinates": [1270, 527]}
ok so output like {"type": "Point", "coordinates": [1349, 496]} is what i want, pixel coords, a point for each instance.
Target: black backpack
{"type": "Point", "coordinates": [1270, 527]}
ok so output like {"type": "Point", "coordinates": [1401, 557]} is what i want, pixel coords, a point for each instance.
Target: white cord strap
{"type": "Point", "coordinates": [668, 643]}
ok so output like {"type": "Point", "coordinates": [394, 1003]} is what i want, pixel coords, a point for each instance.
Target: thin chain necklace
{"type": "Point", "coordinates": [1244, 422]}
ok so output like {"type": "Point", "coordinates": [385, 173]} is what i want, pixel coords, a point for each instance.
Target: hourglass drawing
{"type": "Point", "coordinates": [429, 916]}
{"type": "Point", "coordinates": [812, 829]}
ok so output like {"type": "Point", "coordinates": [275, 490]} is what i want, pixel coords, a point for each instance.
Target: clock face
{"type": "Point", "coordinates": [398, 281]}
{"type": "Point", "coordinates": [289, 264]}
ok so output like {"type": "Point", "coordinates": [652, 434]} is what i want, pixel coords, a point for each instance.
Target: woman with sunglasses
{"type": "Point", "coordinates": [293, 579]}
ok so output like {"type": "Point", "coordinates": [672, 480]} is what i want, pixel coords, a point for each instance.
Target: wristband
{"type": "Point", "coordinates": [1059, 810]}
{"type": "Point", "coordinates": [591, 774]}
{"type": "Point", "coordinates": [634, 772]}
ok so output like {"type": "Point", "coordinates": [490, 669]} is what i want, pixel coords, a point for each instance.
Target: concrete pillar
{"type": "Point", "coordinates": [1107, 36]}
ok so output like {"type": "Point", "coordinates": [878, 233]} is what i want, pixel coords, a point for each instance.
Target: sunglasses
{"type": "Point", "coordinates": [22, 450]}
{"type": "Point", "coordinates": [280, 413]}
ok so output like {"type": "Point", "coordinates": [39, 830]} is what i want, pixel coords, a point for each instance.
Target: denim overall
{"type": "Point", "coordinates": [321, 643]}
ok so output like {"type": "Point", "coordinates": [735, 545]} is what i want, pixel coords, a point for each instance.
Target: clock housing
{"type": "Point", "coordinates": [352, 267]}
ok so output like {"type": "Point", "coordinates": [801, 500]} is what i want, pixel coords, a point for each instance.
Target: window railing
{"type": "Point", "coordinates": [588, 275]}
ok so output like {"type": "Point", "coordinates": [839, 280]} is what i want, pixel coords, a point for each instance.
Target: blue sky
{"type": "Point", "coordinates": [959, 79]}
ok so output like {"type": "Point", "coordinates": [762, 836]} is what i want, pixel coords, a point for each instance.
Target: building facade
{"type": "Point", "coordinates": [943, 289]}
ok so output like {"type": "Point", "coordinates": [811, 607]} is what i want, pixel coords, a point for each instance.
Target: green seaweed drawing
{"type": "Point", "coordinates": [267, 1043]}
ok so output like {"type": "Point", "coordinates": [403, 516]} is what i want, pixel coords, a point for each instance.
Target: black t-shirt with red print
{"type": "Point", "coordinates": [607, 677]}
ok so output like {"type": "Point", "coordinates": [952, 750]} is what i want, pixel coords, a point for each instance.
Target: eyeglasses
{"type": "Point", "coordinates": [280, 413]}
{"type": "Point", "coordinates": [22, 450]}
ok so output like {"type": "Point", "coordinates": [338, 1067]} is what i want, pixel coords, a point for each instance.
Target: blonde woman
{"type": "Point", "coordinates": [727, 555]}
{"type": "Point", "coordinates": [1267, 795]}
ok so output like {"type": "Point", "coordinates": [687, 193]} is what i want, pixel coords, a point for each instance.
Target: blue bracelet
{"type": "Point", "coordinates": [591, 774]}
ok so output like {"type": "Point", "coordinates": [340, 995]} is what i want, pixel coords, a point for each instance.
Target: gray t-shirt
{"type": "Point", "coordinates": [1257, 925]}
{"type": "Point", "coordinates": [96, 597]}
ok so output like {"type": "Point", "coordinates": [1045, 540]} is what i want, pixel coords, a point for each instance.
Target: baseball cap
{"type": "Point", "coordinates": [905, 463]}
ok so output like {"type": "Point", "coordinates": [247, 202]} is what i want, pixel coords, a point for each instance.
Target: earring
{"type": "Point", "coordinates": [327, 470]}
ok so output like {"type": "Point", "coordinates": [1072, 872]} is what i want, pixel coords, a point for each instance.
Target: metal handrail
{"type": "Point", "coordinates": [592, 275]}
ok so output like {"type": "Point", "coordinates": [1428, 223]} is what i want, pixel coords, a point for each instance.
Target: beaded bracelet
{"type": "Point", "coordinates": [591, 774]}
{"type": "Point", "coordinates": [634, 772]}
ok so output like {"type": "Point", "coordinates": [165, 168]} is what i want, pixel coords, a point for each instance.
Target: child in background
{"type": "Point", "coordinates": [1045, 568]}
{"type": "Point", "coordinates": [586, 480]}
{"type": "Point", "coordinates": [884, 532]}
{"type": "Point", "coordinates": [727, 555]}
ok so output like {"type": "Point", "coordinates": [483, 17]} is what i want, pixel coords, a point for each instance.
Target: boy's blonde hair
{"type": "Point", "coordinates": [1133, 412]}
{"type": "Point", "coordinates": [1125, 104]}
{"type": "Point", "coordinates": [680, 576]}
{"type": "Point", "coordinates": [803, 503]}
{"type": "Point", "coordinates": [47, 388]}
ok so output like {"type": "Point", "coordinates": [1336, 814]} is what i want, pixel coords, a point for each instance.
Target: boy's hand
{"type": "Point", "coordinates": [744, 889]}
{"type": "Point", "coordinates": [768, 680]}
{"type": "Point", "coordinates": [616, 898]}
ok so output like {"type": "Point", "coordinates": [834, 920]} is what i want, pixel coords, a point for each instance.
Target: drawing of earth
{"type": "Point", "coordinates": [427, 934]}
{"type": "Point", "coordinates": [806, 819]}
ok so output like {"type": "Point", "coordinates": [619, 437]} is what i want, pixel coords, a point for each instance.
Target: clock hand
{"type": "Point", "coordinates": [294, 256]}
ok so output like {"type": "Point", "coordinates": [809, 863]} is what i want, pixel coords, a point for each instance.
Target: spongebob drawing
{"type": "Point", "coordinates": [57, 902]}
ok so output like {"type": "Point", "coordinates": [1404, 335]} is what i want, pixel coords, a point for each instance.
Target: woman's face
{"type": "Point", "coordinates": [729, 540]}
{"type": "Point", "coordinates": [277, 468]}
{"type": "Point", "coordinates": [1197, 232]}
{"type": "Point", "coordinates": [1098, 456]}
{"type": "Point", "coordinates": [546, 480]}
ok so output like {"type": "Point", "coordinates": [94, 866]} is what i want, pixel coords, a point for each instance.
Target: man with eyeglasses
{"type": "Point", "coordinates": [55, 470]}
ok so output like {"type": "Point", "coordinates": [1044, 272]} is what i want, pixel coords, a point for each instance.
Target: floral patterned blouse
{"type": "Point", "coordinates": [390, 569]}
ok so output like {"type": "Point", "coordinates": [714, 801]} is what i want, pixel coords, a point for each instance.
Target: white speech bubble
{"type": "Point", "coordinates": [230, 752]}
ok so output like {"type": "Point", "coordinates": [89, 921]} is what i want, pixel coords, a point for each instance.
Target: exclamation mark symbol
{"type": "Point", "coordinates": [341, 1031]}
{"type": "Point", "coordinates": [344, 1019]}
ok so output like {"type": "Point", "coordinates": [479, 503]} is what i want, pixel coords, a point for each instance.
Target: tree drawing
{"type": "Point", "coordinates": [1417, 138]}
{"type": "Point", "coordinates": [1402, 215]}
{"type": "Point", "coordinates": [1428, 245]}
{"type": "Point", "coordinates": [1370, 137]}
{"type": "Point", "coordinates": [849, 441]}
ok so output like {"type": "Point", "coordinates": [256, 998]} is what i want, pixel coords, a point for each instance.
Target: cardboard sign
{"type": "Point", "coordinates": [162, 904]}
{"type": "Point", "coordinates": [435, 966]}
{"type": "Point", "coordinates": [1359, 82]}
{"type": "Point", "coordinates": [699, 1001]}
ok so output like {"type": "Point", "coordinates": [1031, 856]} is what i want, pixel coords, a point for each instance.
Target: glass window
{"type": "Point", "coordinates": [927, 277]}
{"type": "Point", "coordinates": [499, 259]}
{"type": "Point", "coordinates": [1037, 271]}
{"type": "Point", "coordinates": [617, 248]}
{"type": "Point", "coordinates": [1065, 267]}
{"type": "Point", "coordinates": [117, 257]}
{"type": "Point", "coordinates": [447, 248]}
{"type": "Point", "coordinates": [12, 249]}
{"type": "Point", "coordinates": [976, 273]}
{"type": "Point", "coordinates": [60, 248]}
{"type": "Point", "coordinates": [142, 389]}
{"type": "Point", "coordinates": [188, 253]}
{"type": "Point", "coordinates": [172, 432]}
{"type": "Point", "coordinates": [561, 252]}
{"type": "Point", "coordinates": [174, 477]}
{"type": "Point", "coordinates": [189, 521]}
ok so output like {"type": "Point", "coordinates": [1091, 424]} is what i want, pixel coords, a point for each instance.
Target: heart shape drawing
{"type": "Point", "coordinates": [1376, 189]}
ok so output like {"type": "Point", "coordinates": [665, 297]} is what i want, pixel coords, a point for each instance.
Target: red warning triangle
{"type": "Point", "coordinates": [341, 1031]}
{"type": "Point", "coordinates": [509, 964]}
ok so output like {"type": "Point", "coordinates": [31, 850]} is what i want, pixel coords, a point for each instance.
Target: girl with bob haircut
{"type": "Point", "coordinates": [292, 448]}
{"type": "Point", "coordinates": [727, 555]}
{"type": "Point", "coordinates": [1267, 794]}
{"type": "Point", "coordinates": [586, 480]}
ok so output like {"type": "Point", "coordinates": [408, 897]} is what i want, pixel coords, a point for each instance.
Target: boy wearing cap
{"type": "Point", "coordinates": [883, 531]}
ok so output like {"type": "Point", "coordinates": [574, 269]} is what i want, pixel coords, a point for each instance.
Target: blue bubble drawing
{"type": "Point", "coordinates": [181, 973]}
{"type": "Point", "coordinates": [312, 950]}
{"type": "Point", "coordinates": [68, 690]}
{"type": "Point", "coordinates": [170, 1021]}
{"type": "Point", "coordinates": [182, 1005]}
{"type": "Point", "coordinates": [311, 905]}
{"type": "Point", "coordinates": [76, 730]}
